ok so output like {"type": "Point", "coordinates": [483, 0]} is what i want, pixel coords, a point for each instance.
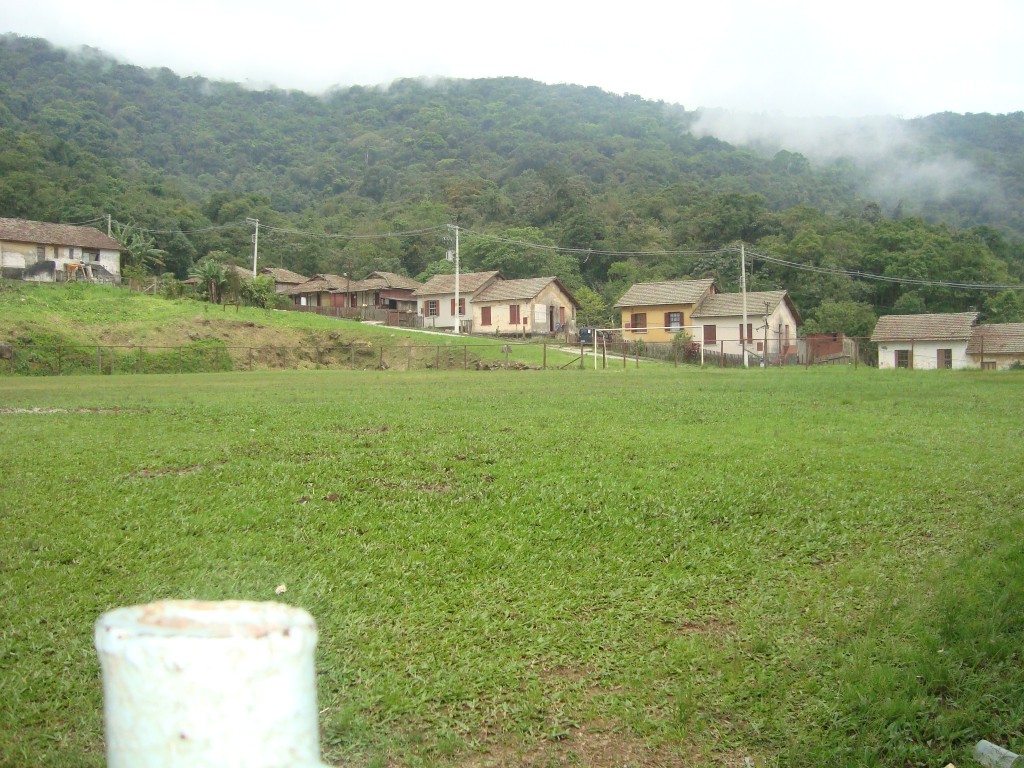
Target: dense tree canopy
{"type": "Point", "coordinates": [598, 189]}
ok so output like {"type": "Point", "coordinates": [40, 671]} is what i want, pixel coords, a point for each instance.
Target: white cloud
{"type": "Point", "coordinates": [792, 56]}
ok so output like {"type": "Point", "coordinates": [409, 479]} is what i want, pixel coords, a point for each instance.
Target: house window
{"type": "Point", "coordinates": [88, 255]}
{"type": "Point", "coordinates": [674, 321]}
{"type": "Point", "coordinates": [513, 314]}
{"type": "Point", "coordinates": [710, 334]}
{"type": "Point", "coordinates": [41, 252]}
{"type": "Point", "coordinates": [988, 365]}
{"type": "Point", "coordinates": [561, 315]}
{"type": "Point", "coordinates": [485, 315]}
{"type": "Point", "coordinates": [902, 358]}
{"type": "Point", "coordinates": [638, 322]}
{"type": "Point", "coordinates": [944, 358]}
{"type": "Point", "coordinates": [432, 308]}
{"type": "Point", "coordinates": [462, 307]}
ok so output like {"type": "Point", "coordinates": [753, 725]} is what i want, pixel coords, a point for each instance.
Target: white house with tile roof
{"type": "Point", "coordinates": [534, 306]}
{"type": "Point", "coordinates": [40, 251]}
{"type": "Point", "coordinates": [435, 299]}
{"type": "Point", "coordinates": [924, 341]}
{"type": "Point", "coordinates": [998, 345]}
{"type": "Point", "coordinates": [770, 332]}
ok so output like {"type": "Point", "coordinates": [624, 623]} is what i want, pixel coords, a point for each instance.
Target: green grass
{"type": "Point", "coordinates": [77, 328]}
{"type": "Point", "coordinates": [659, 566]}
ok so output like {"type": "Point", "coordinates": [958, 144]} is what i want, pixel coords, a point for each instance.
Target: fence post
{"type": "Point", "coordinates": [721, 354]}
{"type": "Point", "coordinates": [625, 351]}
{"type": "Point", "coordinates": [507, 348]}
{"type": "Point", "coordinates": [437, 358]}
{"type": "Point", "coordinates": [352, 351]}
{"type": "Point", "coordinates": [203, 684]}
{"type": "Point", "coordinates": [636, 354]}
{"type": "Point", "coordinates": [675, 356]}
{"type": "Point", "coordinates": [581, 355]}
{"type": "Point", "coordinates": [408, 358]}
{"type": "Point", "coordinates": [544, 365]}
{"type": "Point", "coordinates": [250, 359]}
{"type": "Point", "coordinates": [465, 357]}
{"type": "Point", "coordinates": [382, 357]}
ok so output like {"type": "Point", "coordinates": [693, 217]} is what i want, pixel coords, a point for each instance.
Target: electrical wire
{"type": "Point", "coordinates": [588, 251]}
{"type": "Point", "coordinates": [329, 236]}
{"type": "Point", "coordinates": [883, 278]}
{"type": "Point", "coordinates": [212, 228]}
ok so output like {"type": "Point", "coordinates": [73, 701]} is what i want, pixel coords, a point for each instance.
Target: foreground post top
{"type": "Point", "coordinates": [206, 620]}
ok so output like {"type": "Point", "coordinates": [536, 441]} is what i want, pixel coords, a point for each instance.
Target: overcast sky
{"type": "Point", "coordinates": [792, 57]}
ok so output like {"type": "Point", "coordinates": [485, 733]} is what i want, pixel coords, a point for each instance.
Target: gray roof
{"type": "Point", "coordinates": [469, 282]}
{"type": "Point", "coordinates": [376, 281]}
{"type": "Point", "coordinates": [672, 292]}
{"type": "Point", "coordinates": [997, 339]}
{"type": "Point", "coordinates": [731, 304]}
{"type": "Point", "coordinates": [520, 290]}
{"type": "Point", "coordinates": [952, 326]}
{"type": "Point", "coordinates": [42, 233]}
{"type": "Point", "coordinates": [282, 275]}
{"type": "Point", "coordinates": [320, 284]}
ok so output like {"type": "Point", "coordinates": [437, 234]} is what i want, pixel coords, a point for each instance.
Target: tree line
{"type": "Point", "coordinates": [621, 181]}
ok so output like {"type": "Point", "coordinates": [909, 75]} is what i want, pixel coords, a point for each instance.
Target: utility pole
{"type": "Point", "coordinates": [743, 282]}
{"type": "Point", "coordinates": [458, 315]}
{"type": "Point", "coordinates": [255, 243]}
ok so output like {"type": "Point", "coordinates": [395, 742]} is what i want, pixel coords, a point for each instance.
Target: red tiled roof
{"type": "Point", "coordinates": [997, 339]}
{"type": "Point", "coordinates": [42, 233]}
{"type": "Point", "coordinates": [520, 290]}
{"type": "Point", "coordinates": [469, 282]}
{"type": "Point", "coordinates": [671, 292]}
{"type": "Point", "coordinates": [953, 326]}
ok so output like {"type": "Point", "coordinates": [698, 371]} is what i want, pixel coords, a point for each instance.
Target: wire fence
{"type": "Point", "coordinates": [205, 356]}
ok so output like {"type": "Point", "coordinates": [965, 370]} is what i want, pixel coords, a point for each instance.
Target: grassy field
{"type": "Point", "coordinates": [77, 328]}
{"type": "Point", "coordinates": [653, 567]}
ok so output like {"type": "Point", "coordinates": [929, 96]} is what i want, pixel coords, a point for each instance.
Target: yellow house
{"type": "Point", "coordinates": [658, 311]}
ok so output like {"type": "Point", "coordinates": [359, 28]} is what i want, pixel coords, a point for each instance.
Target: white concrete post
{"type": "Point", "coordinates": [993, 756]}
{"type": "Point", "coordinates": [191, 684]}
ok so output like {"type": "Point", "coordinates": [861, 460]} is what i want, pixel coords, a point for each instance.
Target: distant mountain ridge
{"type": "Point", "coordinates": [574, 167]}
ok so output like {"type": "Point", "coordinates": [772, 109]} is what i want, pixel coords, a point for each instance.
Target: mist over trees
{"type": "Point", "coordinates": [625, 185]}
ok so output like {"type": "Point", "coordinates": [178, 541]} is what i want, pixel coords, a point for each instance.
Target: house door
{"type": "Point", "coordinates": [551, 319]}
{"type": "Point", "coordinates": [944, 358]}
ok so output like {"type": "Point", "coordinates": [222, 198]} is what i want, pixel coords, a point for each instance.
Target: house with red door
{"type": "Point", "coordinates": [435, 299]}
{"type": "Point", "coordinates": [532, 306]}
{"type": "Point", "coordinates": [770, 333]}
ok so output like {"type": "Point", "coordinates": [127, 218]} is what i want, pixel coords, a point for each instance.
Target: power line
{"type": "Point", "coordinates": [84, 223]}
{"type": "Point", "coordinates": [590, 251]}
{"type": "Point", "coordinates": [330, 236]}
{"type": "Point", "coordinates": [212, 228]}
{"type": "Point", "coordinates": [884, 278]}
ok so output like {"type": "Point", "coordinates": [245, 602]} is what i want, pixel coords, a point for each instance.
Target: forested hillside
{"type": "Point", "coordinates": [620, 184]}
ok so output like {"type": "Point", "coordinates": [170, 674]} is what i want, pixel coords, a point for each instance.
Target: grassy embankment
{"type": "Point", "coordinates": [668, 567]}
{"type": "Point", "coordinates": [79, 328]}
